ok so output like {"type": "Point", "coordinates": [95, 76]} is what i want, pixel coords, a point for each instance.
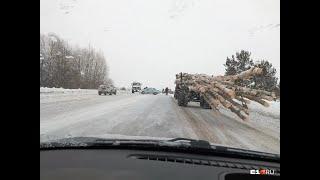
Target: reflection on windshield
{"type": "Point", "coordinates": [161, 70]}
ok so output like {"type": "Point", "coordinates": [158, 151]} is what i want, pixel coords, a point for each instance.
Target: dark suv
{"type": "Point", "coordinates": [104, 89]}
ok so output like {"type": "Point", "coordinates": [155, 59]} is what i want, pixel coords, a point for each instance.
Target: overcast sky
{"type": "Point", "coordinates": [152, 40]}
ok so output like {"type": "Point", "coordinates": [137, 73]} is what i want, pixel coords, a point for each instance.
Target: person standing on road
{"type": "Point", "coordinates": [167, 90]}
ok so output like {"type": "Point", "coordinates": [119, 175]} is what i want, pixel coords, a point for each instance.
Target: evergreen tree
{"type": "Point", "coordinates": [239, 63]}
{"type": "Point", "coordinates": [267, 80]}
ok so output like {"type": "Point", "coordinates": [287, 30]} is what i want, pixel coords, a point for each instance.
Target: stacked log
{"type": "Point", "coordinates": [222, 90]}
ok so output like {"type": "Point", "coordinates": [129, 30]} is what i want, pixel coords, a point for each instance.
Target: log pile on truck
{"type": "Point", "coordinates": [215, 91]}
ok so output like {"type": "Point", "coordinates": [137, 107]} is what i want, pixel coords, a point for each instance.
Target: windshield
{"type": "Point", "coordinates": [135, 84]}
{"type": "Point", "coordinates": [211, 71]}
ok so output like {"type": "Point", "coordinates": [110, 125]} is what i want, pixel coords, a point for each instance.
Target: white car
{"type": "Point", "coordinates": [150, 91]}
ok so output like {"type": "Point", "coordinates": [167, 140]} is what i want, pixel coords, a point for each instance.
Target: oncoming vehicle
{"type": "Point", "coordinates": [104, 89]}
{"type": "Point", "coordinates": [150, 91]}
{"type": "Point", "coordinates": [112, 90]}
{"type": "Point", "coordinates": [136, 87]}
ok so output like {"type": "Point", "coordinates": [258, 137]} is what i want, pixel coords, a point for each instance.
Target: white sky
{"type": "Point", "coordinates": [152, 40]}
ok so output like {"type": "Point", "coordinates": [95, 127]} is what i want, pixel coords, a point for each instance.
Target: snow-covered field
{"type": "Point", "coordinates": [65, 91]}
{"type": "Point", "coordinates": [50, 95]}
{"type": "Point", "coordinates": [59, 91]}
{"type": "Point", "coordinates": [75, 112]}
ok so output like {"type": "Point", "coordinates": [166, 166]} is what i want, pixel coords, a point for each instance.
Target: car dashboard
{"type": "Point", "coordinates": [83, 164]}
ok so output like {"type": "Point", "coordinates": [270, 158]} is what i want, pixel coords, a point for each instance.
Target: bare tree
{"type": "Point", "coordinates": [62, 65]}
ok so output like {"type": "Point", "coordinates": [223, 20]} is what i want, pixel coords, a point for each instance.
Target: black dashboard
{"type": "Point", "coordinates": [81, 164]}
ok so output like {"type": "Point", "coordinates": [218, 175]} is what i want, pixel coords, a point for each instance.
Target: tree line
{"type": "Point", "coordinates": [62, 65]}
{"type": "Point", "coordinates": [242, 62]}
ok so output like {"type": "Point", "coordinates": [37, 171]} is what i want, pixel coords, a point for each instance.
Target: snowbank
{"type": "Point", "coordinates": [265, 119]}
{"type": "Point", "coordinates": [60, 94]}
{"type": "Point", "coordinates": [45, 90]}
{"type": "Point", "coordinates": [67, 91]}
{"type": "Point", "coordinates": [273, 110]}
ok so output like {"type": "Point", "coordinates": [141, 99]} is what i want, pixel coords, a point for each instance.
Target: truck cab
{"type": "Point", "coordinates": [136, 87]}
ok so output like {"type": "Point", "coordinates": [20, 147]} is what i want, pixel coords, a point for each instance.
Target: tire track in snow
{"type": "Point", "coordinates": [136, 123]}
{"type": "Point", "coordinates": [199, 126]}
{"type": "Point", "coordinates": [156, 118]}
{"type": "Point", "coordinates": [62, 122]}
{"type": "Point", "coordinates": [242, 134]}
{"type": "Point", "coordinates": [221, 129]}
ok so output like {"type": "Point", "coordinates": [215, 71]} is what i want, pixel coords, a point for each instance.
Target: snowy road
{"type": "Point", "coordinates": [154, 116]}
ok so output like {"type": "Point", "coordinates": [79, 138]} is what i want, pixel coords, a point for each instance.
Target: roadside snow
{"type": "Point", "coordinates": [264, 119]}
{"type": "Point", "coordinates": [66, 91]}
{"type": "Point", "coordinates": [54, 95]}
{"type": "Point", "coordinates": [273, 110]}
{"type": "Point", "coordinates": [45, 90]}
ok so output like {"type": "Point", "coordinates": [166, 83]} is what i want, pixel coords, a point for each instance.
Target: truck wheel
{"type": "Point", "coordinates": [204, 104]}
{"type": "Point", "coordinates": [182, 97]}
{"type": "Point", "coordinates": [105, 94]}
{"type": "Point", "coordinates": [182, 101]}
{"type": "Point", "coordinates": [99, 94]}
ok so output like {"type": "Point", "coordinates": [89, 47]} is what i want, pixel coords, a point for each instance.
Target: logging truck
{"type": "Point", "coordinates": [215, 91]}
{"type": "Point", "coordinates": [184, 95]}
